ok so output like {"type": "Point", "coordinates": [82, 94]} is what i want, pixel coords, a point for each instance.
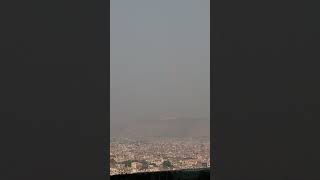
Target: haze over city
{"type": "Point", "coordinates": [159, 64]}
{"type": "Point", "coordinates": [160, 85]}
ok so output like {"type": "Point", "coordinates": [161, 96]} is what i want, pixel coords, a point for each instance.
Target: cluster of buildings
{"type": "Point", "coordinates": [158, 154]}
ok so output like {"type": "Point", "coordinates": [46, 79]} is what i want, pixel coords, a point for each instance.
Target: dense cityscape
{"type": "Point", "coordinates": [128, 155]}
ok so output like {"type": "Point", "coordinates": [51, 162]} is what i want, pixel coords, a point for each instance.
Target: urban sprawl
{"type": "Point", "coordinates": [158, 154]}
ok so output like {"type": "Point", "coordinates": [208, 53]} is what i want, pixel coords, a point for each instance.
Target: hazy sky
{"type": "Point", "coordinates": [160, 58]}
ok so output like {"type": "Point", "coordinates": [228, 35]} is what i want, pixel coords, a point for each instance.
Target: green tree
{"type": "Point", "coordinates": [145, 164]}
{"type": "Point", "coordinates": [127, 163]}
{"type": "Point", "coordinates": [167, 164]}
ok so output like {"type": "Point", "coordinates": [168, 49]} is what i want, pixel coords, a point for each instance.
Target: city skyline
{"type": "Point", "coordinates": [159, 85]}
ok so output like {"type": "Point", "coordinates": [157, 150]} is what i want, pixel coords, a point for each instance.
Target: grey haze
{"type": "Point", "coordinates": [159, 66]}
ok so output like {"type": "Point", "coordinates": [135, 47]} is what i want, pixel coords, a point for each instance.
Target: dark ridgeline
{"type": "Point", "coordinates": [197, 174]}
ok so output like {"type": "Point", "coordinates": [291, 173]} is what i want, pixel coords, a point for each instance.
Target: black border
{"type": "Point", "coordinates": [54, 95]}
{"type": "Point", "coordinates": [266, 89]}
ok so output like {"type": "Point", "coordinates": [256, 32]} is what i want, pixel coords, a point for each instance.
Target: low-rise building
{"type": "Point", "coordinates": [136, 165]}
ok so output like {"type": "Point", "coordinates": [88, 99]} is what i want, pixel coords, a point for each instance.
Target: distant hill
{"type": "Point", "coordinates": [183, 127]}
